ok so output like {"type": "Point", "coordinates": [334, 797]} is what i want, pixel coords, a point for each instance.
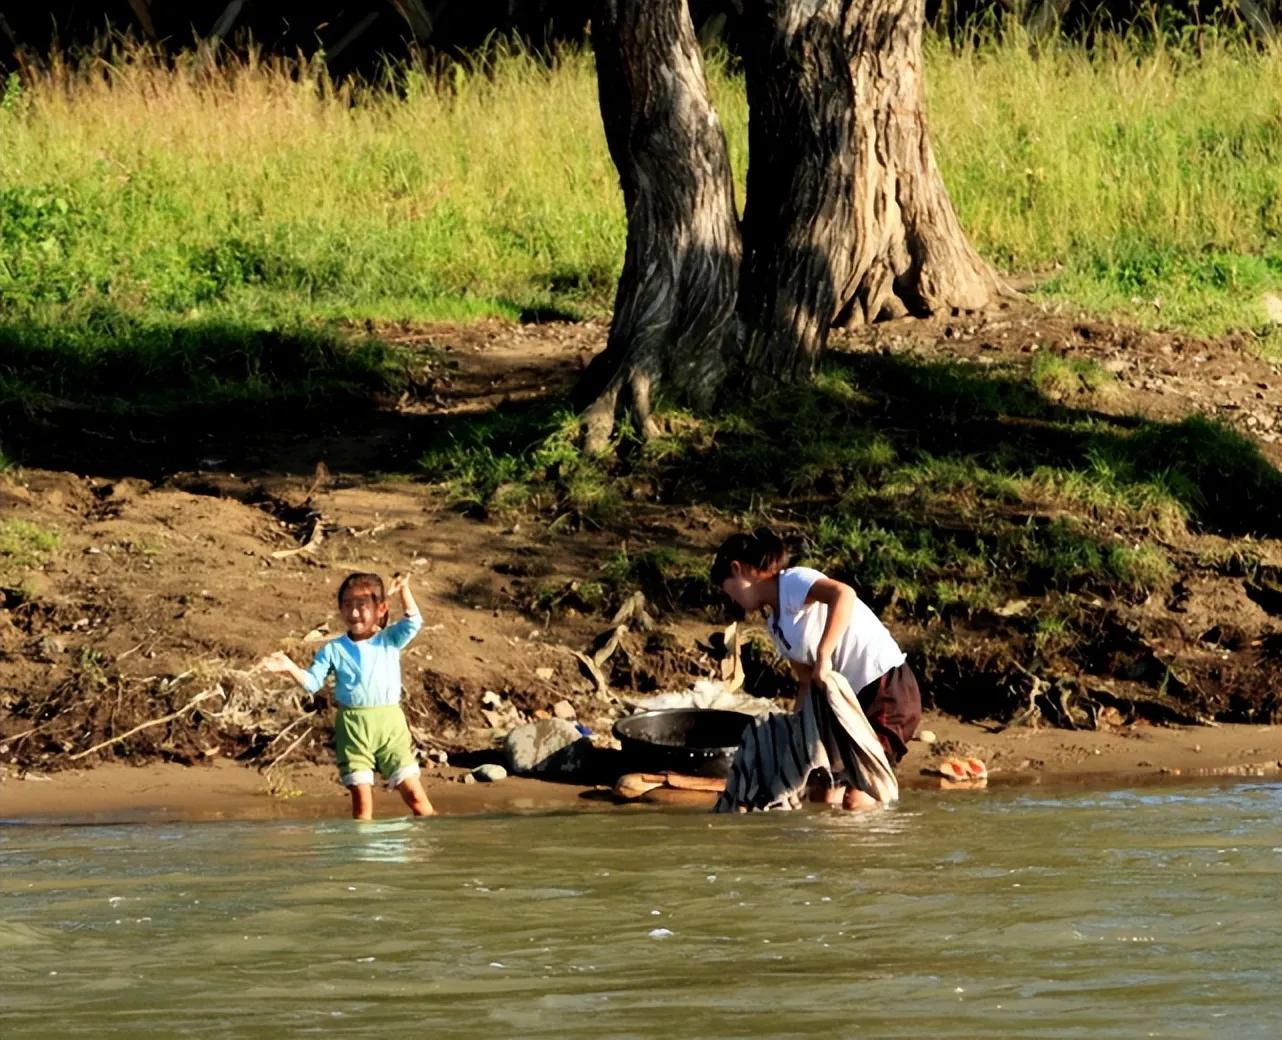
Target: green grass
{"type": "Point", "coordinates": [1061, 378]}
{"type": "Point", "coordinates": [23, 545]}
{"type": "Point", "coordinates": [1146, 176]}
{"type": "Point", "coordinates": [520, 458]}
{"type": "Point", "coordinates": [669, 576]}
{"type": "Point", "coordinates": [1148, 180]}
{"type": "Point", "coordinates": [263, 189]}
{"type": "Point", "coordinates": [944, 489]}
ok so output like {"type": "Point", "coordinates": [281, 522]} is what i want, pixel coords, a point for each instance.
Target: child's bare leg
{"type": "Point", "coordinates": [415, 797]}
{"type": "Point", "coordinates": [362, 801]}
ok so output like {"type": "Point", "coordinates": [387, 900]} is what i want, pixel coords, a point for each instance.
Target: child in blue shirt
{"type": "Point", "coordinates": [370, 731]}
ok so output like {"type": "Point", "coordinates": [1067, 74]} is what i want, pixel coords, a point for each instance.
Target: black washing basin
{"type": "Point", "coordinates": [698, 741]}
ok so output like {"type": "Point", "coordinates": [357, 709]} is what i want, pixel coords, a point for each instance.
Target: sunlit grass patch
{"type": "Point", "coordinates": [23, 546]}
{"type": "Point", "coordinates": [1052, 632]}
{"type": "Point", "coordinates": [508, 460]}
{"type": "Point", "coordinates": [1063, 555]}
{"type": "Point", "coordinates": [1144, 175]}
{"type": "Point", "coordinates": [914, 565]}
{"type": "Point", "coordinates": [1067, 379]}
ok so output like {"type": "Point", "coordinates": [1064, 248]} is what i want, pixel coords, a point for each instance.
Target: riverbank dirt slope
{"type": "Point", "coordinates": [179, 557]}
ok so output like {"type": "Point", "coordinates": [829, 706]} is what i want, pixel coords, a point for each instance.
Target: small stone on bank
{"type": "Point", "coordinates": [489, 773]}
{"type": "Point", "coordinates": [927, 736]}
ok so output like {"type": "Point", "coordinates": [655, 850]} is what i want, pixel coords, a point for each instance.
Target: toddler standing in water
{"type": "Point", "coordinates": [370, 731]}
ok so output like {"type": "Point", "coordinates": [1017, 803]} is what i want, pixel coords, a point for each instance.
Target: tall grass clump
{"type": "Point", "coordinates": [258, 185]}
{"type": "Point", "coordinates": [1144, 174]}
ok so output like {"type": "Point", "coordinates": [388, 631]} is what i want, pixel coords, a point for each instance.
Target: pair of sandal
{"type": "Point", "coordinates": [960, 768]}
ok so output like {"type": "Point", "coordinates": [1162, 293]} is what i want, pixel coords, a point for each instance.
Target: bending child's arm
{"type": "Point", "coordinates": [839, 598]}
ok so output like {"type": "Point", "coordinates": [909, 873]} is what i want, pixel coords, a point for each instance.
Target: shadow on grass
{"type": "Point", "coordinates": [934, 485]}
{"type": "Point", "coordinates": [1220, 478]}
{"type": "Point", "coordinates": [116, 395]}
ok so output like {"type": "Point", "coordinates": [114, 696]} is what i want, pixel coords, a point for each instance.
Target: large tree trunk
{"type": "Point", "coordinates": [847, 217]}
{"type": "Point", "coordinates": [798, 217]}
{"type": "Point", "coordinates": [910, 253]}
{"type": "Point", "coordinates": [673, 326]}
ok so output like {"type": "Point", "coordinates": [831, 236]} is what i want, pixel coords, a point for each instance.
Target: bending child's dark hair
{"type": "Point", "coordinates": [763, 550]}
{"type": "Point", "coordinates": [358, 578]}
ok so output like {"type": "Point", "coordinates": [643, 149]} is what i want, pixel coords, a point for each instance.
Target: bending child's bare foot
{"type": "Point", "coordinates": [821, 794]}
{"type": "Point", "coordinates": [856, 800]}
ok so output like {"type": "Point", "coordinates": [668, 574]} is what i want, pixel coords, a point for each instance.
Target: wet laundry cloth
{"type": "Point", "coordinates": [779, 752]}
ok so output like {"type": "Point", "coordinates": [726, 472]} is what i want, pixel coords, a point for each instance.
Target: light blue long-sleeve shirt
{"type": "Point", "coordinates": [367, 674]}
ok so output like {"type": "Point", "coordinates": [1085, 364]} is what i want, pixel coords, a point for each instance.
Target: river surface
{"type": "Point", "coordinates": [1135, 913]}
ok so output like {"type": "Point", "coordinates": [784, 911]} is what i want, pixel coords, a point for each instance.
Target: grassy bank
{"type": "Point", "coordinates": [141, 204]}
{"type": "Point", "coordinates": [1001, 524]}
{"type": "Point", "coordinates": [986, 484]}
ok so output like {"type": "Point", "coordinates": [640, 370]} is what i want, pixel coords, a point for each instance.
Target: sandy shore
{"type": "Point", "coordinates": [1136, 755]}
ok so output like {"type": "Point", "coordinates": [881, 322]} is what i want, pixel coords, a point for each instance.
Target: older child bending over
{"type": "Point", "coordinates": [370, 731]}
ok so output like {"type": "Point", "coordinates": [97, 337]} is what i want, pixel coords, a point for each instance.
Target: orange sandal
{"type": "Point", "coordinates": [961, 769]}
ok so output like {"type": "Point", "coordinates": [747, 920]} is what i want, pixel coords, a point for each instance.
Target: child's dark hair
{"type": "Point", "coordinates": [362, 578]}
{"type": "Point", "coordinates": [763, 550]}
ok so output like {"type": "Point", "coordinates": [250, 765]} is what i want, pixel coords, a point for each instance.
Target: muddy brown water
{"type": "Point", "coordinates": [1135, 913]}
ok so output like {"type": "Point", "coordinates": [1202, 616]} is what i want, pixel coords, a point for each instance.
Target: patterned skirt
{"type": "Point", "coordinates": [779, 752]}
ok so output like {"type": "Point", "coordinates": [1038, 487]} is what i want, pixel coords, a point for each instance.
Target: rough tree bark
{"type": "Point", "coordinates": [847, 217]}
{"type": "Point", "coordinates": [910, 253]}
{"type": "Point", "coordinates": [798, 218]}
{"type": "Point", "coordinates": [673, 326]}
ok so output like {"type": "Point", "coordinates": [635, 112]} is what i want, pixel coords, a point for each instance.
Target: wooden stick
{"type": "Point", "coordinates": [305, 715]}
{"type": "Point", "coordinates": [6, 741]}
{"type": "Point", "coordinates": [594, 673]}
{"type": "Point", "coordinates": [314, 539]}
{"type": "Point", "coordinates": [332, 53]}
{"type": "Point", "coordinates": [227, 19]}
{"type": "Point", "coordinates": [275, 761]}
{"type": "Point", "coordinates": [142, 11]}
{"type": "Point", "coordinates": [415, 12]}
{"type": "Point", "coordinates": [217, 690]}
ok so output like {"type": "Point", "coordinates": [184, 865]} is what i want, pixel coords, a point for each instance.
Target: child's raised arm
{"type": "Point", "coordinates": [401, 584]}
{"type": "Point", "coordinates": [280, 662]}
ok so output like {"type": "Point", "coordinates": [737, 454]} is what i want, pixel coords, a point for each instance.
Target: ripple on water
{"type": "Point", "coordinates": [1011, 914]}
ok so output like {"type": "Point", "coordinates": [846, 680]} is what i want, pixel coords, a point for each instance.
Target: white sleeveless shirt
{"type": "Point", "coordinates": [865, 651]}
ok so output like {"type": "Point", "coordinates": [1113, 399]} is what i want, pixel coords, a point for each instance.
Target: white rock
{"type": "Point", "coordinates": [490, 773]}
{"type": "Point", "coordinates": [549, 747]}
